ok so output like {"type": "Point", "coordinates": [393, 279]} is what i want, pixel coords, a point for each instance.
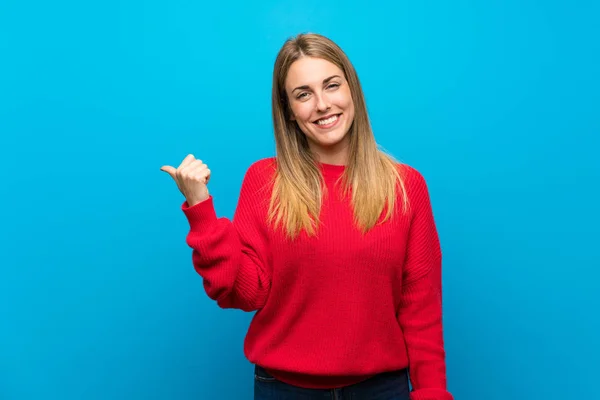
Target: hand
{"type": "Point", "coordinates": [191, 177]}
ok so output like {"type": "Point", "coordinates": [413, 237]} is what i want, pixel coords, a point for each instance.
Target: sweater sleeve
{"type": "Point", "coordinates": [420, 309]}
{"type": "Point", "coordinates": [232, 255]}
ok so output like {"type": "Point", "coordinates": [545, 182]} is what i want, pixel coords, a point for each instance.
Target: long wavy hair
{"type": "Point", "coordinates": [371, 176]}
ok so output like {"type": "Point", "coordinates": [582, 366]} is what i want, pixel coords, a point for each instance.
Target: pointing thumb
{"type": "Point", "coordinates": [169, 170]}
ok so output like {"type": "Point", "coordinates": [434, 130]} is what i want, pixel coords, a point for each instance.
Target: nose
{"type": "Point", "coordinates": [323, 103]}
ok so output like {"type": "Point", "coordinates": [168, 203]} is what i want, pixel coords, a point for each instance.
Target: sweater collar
{"type": "Point", "coordinates": [332, 170]}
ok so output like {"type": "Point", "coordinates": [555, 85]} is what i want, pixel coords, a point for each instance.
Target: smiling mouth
{"type": "Point", "coordinates": [327, 121]}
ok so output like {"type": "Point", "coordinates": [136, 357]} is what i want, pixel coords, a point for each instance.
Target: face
{"type": "Point", "coordinates": [321, 104]}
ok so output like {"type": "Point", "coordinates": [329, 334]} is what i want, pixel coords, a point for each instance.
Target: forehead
{"type": "Point", "coordinates": [310, 71]}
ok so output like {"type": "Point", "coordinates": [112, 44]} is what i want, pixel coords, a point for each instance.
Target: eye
{"type": "Point", "coordinates": [333, 86]}
{"type": "Point", "coordinates": [302, 95]}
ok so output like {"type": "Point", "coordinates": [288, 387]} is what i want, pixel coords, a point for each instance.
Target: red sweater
{"type": "Point", "coordinates": [336, 309]}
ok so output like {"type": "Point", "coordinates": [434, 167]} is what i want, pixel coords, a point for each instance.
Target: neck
{"type": "Point", "coordinates": [334, 155]}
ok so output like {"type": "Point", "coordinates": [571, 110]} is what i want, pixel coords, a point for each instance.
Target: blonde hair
{"type": "Point", "coordinates": [371, 175]}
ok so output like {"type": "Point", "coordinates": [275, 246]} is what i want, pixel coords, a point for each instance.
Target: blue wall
{"type": "Point", "coordinates": [496, 102]}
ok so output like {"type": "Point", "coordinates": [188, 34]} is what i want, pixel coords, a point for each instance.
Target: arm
{"type": "Point", "coordinates": [420, 309]}
{"type": "Point", "coordinates": [232, 255]}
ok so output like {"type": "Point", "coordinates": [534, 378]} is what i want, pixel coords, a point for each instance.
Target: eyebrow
{"type": "Point", "coordinates": [304, 87]}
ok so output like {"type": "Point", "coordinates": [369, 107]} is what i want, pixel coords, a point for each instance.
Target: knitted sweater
{"type": "Point", "coordinates": [335, 309]}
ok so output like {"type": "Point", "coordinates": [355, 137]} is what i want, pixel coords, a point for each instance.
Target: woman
{"type": "Point", "coordinates": [333, 244]}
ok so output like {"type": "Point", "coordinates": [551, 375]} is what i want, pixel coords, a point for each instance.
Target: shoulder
{"type": "Point", "coordinates": [258, 177]}
{"type": "Point", "coordinates": [262, 168]}
{"type": "Point", "coordinates": [415, 186]}
{"type": "Point", "coordinates": [412, 177]}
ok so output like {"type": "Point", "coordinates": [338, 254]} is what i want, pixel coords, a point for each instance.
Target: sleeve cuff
{"type": "Point", "coordinates": [430, 394]}
{"type": "Point", "coordinates": [199, 214]}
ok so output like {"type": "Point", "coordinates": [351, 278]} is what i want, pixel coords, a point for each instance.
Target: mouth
{"type": "Point", "coordinates": [327, 121]}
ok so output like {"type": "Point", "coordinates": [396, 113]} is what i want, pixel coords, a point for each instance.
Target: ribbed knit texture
{"type": "Point", "coordinates": [335, 309]}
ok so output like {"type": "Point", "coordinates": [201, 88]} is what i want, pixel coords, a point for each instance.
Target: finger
{"type": "Point", "coordinates": [203, 175]}
{"type": "Point", "coordinates": [191, 168]}
{"type": "Point", "coordinates": [196, 171]}
{"type": "Point", "coordinates": [196, 166]}
{"type": "Point", "coordinates": [169, 170]}
{"type": "Point", "coordinates": [187, 161]}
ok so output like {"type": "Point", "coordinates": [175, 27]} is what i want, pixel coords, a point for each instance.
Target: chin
{"type": "Point", "coordinates": [329, 142]}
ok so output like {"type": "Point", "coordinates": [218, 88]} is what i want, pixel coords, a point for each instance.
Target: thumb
{"type": "Point", "coordinates": [169, 170]}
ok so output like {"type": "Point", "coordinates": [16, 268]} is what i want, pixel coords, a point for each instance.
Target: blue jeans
{"type": "Point", "coordinates": [385, 386]}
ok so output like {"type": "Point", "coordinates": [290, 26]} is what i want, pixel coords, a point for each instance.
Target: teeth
{"type": "Point", "coordinates": [327, 121]}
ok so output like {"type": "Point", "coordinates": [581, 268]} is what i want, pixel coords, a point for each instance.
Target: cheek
{"type": "Point", "coordinates": [345, 100]}
{"type": "Point", "coordinates": [351, 107]}
{"type": "Point", "coordinates": [302, 112]}
{"type": "Point", "coordinates": [348, 107]}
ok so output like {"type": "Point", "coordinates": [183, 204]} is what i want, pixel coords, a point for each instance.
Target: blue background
{"type": "Point", "coordinates": [495, 102]}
